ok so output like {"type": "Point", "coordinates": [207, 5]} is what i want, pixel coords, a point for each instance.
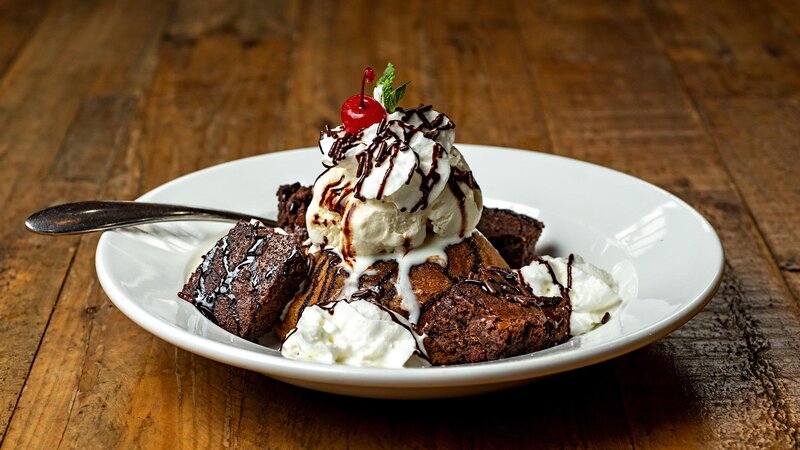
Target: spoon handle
{"type": "Point", "coordinates": [86, 217]}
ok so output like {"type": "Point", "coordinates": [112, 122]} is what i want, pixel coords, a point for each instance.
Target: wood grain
{"type": "Point", "coordinates": [741, 66]}
{"type": "Point", "coordinates": [626, 110]}
{"type": "Point", "coordinates": [18, 19]}
{"type": "Point", "coordinates": [63, 68]}
{"type": "Point", "coordinates": [110, 99]}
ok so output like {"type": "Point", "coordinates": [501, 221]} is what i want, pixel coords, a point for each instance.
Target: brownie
{"type": "Point", "coordinates": [293, 201]}
{"type": "Point", "coordinates": [514, 235]}
{"type": "Point", "coordinates": [429, 279]}
{"type": "Point", "coordinates": [247, 278]}
{"type": "Point", "coordinates": [489, 315]}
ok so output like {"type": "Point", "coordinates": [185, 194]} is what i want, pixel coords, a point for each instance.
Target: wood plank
{"type": "Point", "coordinates": [211, 95]}
{"type": "Point", "coordinates": [729, 49]}
{"type": "Point", "coordinates": [65, 130]}
{"type": "Point", "coordinates": [760, 141]}
{"type": "Point", "coordinates": [327, 62]}
{"type": "Point", "coordinates": [610, 95]}
{"type": "Point", "coordinates": [475, 77]}
{"type": "Point", "coordinates": [286, 417]}
{"type": "Point", "coordinates": [18, 19]}
{"type": "Point", "coordinates": [788, 14]}
{"type": "Point", "coordinates": [30, 136]}
{"type": "Point", "coordinates": [741, 65]}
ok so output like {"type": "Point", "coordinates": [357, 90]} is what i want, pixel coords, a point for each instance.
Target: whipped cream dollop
{"type": "Point", "coordinates": [592, 291]}
{"type": "Point", "coordinates": [391, 185]}
{"type": "Point", "coordinates": [359, 333]}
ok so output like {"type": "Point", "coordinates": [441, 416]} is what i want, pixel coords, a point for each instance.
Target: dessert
{"type": "Point", "coordinates": [246, 279]}
{"type": "Point", "coordinates": [492, 314]}
{"type": "Point", "coordinates": [293, 201]}
{"type": "Point", "coordinates": [390, 258]}
{"type": "Point", "coordinates": [514, 235]}
{"type": "Point", "coordinates": [402, 283]}
{"type": "Point", "coordinates": [392, 185]}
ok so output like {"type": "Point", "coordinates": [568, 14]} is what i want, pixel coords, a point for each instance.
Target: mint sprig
{"type": "Point", "coordinates": [390, 97]}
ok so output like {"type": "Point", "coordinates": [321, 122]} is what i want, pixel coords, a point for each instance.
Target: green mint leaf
{"type": "Point", "coordinates": [390, 97]}
{"type": "Point", "coordinates": [400, 92]}
{"type": "Point", "coordinates": [387, 78]}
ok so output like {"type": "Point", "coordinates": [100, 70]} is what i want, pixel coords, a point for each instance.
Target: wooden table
{"type": "Point", "coordinates": [108, 99]}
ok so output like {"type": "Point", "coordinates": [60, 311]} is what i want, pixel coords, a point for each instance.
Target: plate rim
{"type": "Point", "coordinates": [500, 371]}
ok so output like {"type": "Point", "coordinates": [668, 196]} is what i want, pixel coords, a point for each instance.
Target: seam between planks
{"type": "Point", "coordinates": [764, 370]}
{"type": "Point", "coordinates": [763, 241]}
{"type": "Point", "coordinates": [76, 389]}
{"type": "Point", "coordinates": [704, 123]}
{"type": "Point", "coordinates": [535, 82]}
{"type": "Point", "coordinates": [23, 44]}
{"type": "Point", "coordinates": [142, 101]}
{"type": "Point", "coordinates": [39, 345]}
{"type": "Point", "coordinates": [82, 246]}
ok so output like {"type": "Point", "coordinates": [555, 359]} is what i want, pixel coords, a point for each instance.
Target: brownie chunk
{"type": "Point", "coordinates": [378, 284]}
{"type": "Point", "coordinates": [246, 279]}
{"type": "Point", "coordinates": [491, 314]}
{"type": "Point", "coordinates": [514, 235]}
{"type": "Point", "coordinates": [293, 201]}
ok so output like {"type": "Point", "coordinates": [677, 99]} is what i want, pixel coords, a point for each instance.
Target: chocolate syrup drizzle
{"type": "Point", "coordinates": [370, 294]}
{"type": "Point", "coordinates": [458, 177]}
{"type": "Point", "coordinates": [343, 142]}
{"type": "Point", "coordinates": [430, 179]}
{"type": "Point", "coordinates": [392, 137]}
{"type": "Point", "coordinates": [510, 285]}
{"type": "Point", "coordinates": [506, 283]}
{"type": "Point", "coordinates": [563, 289]}
{"type": "Point", "coordinates": [205, 299]}
{"type": "Point", "coordinates": [334, 196]}
{"type": "Point", "coordinates": [387, 145]}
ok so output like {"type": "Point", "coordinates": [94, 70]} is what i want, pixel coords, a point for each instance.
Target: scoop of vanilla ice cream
{"type": "Point", "coordinates": [357, 334]}
{"type": "Point", "coordinates": [594, 291]}
{"type": "Point", "coordinates": [376, 226]}
{"type": "Point", "coordinates": [389, 186]}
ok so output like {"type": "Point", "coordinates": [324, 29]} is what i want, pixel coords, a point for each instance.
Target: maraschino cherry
{"type": "Point", "coordinates": [361, 111]}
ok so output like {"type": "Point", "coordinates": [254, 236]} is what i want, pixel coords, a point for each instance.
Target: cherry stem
{"type": "Point", "coordinates": [368, 76]}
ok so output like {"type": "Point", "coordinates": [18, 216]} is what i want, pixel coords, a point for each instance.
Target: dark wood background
{"type": "Point", "coordinates": [108, 99]}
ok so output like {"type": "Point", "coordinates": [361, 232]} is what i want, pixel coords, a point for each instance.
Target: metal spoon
{"type": "Point", "coordinates": [86, 217]}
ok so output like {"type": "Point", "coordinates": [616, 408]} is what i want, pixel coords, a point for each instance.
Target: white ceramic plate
{"type": "Point", "coordinates": [665, 255]}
